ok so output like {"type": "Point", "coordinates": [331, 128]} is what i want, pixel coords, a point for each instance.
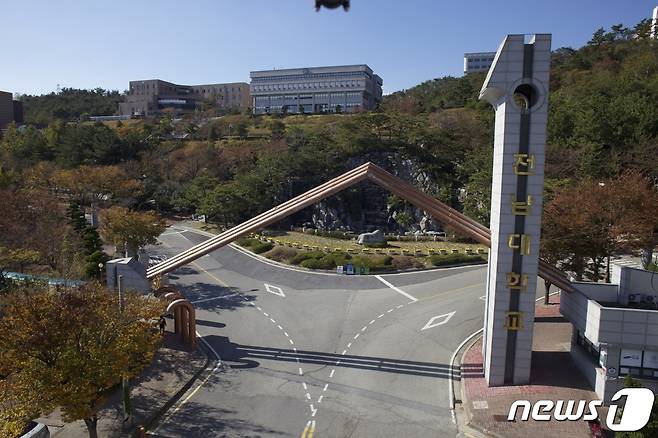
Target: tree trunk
{"type": "Point", "coordinates": [607, 270]}
{"type": "Point", "coordinates": [647, 257]}
{"type": "Point", "coordinates": [547, 285]}
{"type": "Point", "coordinates": [91, 426]}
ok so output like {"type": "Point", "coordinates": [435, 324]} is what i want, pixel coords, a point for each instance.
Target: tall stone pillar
{"type": "Point", "coordinates": [517, 87]}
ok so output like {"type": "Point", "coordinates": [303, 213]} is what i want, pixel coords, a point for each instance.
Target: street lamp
{"type": "Point", "coordinates": [125, 384]}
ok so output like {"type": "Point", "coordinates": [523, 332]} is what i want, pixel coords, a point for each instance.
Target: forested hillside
{"type": "Point", "coordinates": [603, 120]}
{"type": "Point", "coordinates": [69, 104]}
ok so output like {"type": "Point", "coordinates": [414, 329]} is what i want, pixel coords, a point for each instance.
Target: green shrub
{"type": "Point", "coordinates": [301, 256]}
{"type": "Point", "coordinates": [248, 242]}
{"type": "Point", "coordinates": [453, 259]}
{"type": "Point", "coordinates": [281, 253]}
{"type": "Point", "coordinates": [374, 263]}
{"type": "Point", "coordinates": [339, 258]}
{"type": "Point", "coordinates": [323, 263]}
{"type": "Point", "coordinates": [406, 262]}
{"type": "Point", "coordinates": [261, 247]}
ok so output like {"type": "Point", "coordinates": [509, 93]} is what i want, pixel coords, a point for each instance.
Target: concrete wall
{"type": "Point", "coordinates": [633, 328]}
{"type": "Point", "coordinates": [633, 281]}
{"type": "Point", "coordinates": [133, 275]}
{"type": "Point", "coordinates": [598, 291]}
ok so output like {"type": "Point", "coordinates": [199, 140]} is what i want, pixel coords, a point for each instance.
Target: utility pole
{"type": "Point", "coordinates": [125, 386]}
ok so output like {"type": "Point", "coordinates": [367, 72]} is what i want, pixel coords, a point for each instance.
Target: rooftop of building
{"type": "Point", "coordinates": [186, 85]}
{"type": "Point", "coordinates": [466, 55]}
{"type": "Point", "coordinates": [297, 70]}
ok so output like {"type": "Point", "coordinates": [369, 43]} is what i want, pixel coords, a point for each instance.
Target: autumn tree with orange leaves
{"type": "Point", "coordinates": [584, 225]}
{"type": "Point", "coordinates": [68, 348]}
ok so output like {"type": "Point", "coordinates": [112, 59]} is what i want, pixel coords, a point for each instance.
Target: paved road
{"type": "Point", "coordinates": [309, 354]}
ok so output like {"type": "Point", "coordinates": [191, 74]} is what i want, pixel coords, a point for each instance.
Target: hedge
{"type": "Point", "coordinates": [261, 247]}
{"type": "Point", "coordinates": [453, 259]}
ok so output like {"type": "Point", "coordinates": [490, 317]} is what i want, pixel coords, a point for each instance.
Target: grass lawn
{"type": "Point", "coordinates": [393, 246]}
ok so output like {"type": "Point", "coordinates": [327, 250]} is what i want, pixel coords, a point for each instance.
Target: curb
{"type": "Point", "coordinates": [157, 416]}
{"type": "Point", "coordinates": [467, 426]}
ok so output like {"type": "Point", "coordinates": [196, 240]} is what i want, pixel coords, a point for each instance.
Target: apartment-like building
{"type": "Point", "coordinates": [150, 97]}
{"type": "Point", "coordinates": [10, 110]}
{"type": "Point", "coordinates": [476, 62]}
{"type": "Point", "coordinates": [315, 90]}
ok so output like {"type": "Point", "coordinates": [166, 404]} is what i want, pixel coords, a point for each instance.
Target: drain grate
{"type": "Point", "coordinates": [501, 418]}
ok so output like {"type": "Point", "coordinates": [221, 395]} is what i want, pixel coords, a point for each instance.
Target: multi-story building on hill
{"type": "Point", "coordinates": [315, 90]}
{"type": "Point", "coordinates": [10, 110]}
{"type": "Point", "coordinates": [149, 97]}
{"type": "Point", "coordinates": [480, 61]}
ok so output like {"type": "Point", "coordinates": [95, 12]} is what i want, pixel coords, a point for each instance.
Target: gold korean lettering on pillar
{"type": "Point", "coordinates": [524, 164]}
{"type": "Point", "coordinates": [517, 281]}
{"type": "Point", "coordinates": [514, 320]}
{"type": "Point", "coordinates": [519, 242]}
{"type": "Point", "coordinates": [522, 208]}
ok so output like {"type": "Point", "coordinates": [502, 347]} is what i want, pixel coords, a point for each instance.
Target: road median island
{"type": "Point", "coordinates": [322, 253]}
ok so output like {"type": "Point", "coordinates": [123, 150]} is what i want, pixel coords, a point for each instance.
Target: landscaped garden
{"type": "Point", "coordinates": [327, 251]}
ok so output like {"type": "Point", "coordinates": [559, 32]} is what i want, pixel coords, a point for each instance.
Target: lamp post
{"type": "Point", "coordinates": [125, 385]}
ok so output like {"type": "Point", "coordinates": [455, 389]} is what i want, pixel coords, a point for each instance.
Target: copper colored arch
{"type": "Point", "coordinates": [185, 319]}
{"type": "Point", "coordinates": [438, 210]}
{"type": "Point", "coordinates": [164, 290]}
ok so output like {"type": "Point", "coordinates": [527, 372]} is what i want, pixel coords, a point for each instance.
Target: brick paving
{"type": "Point", "coordinates": [554, 376]}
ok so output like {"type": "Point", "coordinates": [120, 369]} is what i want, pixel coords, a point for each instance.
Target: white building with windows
{"type": "Point", "coordinates": [480, 61]}
{"type": "Point", "coordinates": [315, 90]}
{"type": "Point", "coordinates": [615, 329]}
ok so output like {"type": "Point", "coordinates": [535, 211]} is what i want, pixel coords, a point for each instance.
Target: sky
{"type": "Point", "coordinates": [93, 43]}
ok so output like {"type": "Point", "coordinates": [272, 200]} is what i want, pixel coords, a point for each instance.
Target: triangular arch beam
{"type": "Point", "coordinates": [438, 210]}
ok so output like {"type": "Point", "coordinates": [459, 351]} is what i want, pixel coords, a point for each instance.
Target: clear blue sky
{"type": "Point", "coordinates": [94, 43]}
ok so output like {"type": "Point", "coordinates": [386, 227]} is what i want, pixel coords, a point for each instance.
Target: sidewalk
{"type": "Point", "coordinates": [554, 376]}
{"type": "Point", "coordinates": [174, 367]}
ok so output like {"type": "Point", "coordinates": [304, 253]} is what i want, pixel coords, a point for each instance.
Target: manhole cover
{"type": "Point", "coordinates": [480, 404]}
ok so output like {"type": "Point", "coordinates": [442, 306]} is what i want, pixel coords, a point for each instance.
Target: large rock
{"type": "Point", "coordinates": [326, 218]}
{"type": "Point", "coordinates": [368, 238]}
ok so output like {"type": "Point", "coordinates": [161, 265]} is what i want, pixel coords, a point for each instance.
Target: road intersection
{"type": "Point", "coordinates": [306, 354]}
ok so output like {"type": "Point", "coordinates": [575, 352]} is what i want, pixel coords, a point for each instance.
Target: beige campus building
{"type": "Point", "coordinates": [149, 97]}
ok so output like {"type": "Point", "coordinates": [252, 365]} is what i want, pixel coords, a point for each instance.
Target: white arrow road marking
{"type": "Point", "coordinates": [436, 321]}
{"type": "Point", "coordinates": [274, 290]}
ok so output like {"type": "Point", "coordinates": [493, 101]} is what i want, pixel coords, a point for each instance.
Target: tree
{"type": "Point", "coordinates": [87, 184]}
{"type": "Point", "coordinates": [592, 220]}
{"type": "Point", "coordinates": [70, 347]}
{"type": "Point", "coordinates": [34, 220]}
{"type": "Point", "coordinates": [241, 129]}
{"type": "Point", "coordinates": [122, 226]}
{"type": "Point", "coordinates": [301, 109]}
{"type": "Point", "coordinates": [403, 218]}
{"type": "Point", "coordinates": [18, 258]}
{"type": "Point", "coordinates": [277, 128]}
{"type": "Point", "coordinates": [651, 429]}
{"type": "Point", "coordinates": [339, 109]}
